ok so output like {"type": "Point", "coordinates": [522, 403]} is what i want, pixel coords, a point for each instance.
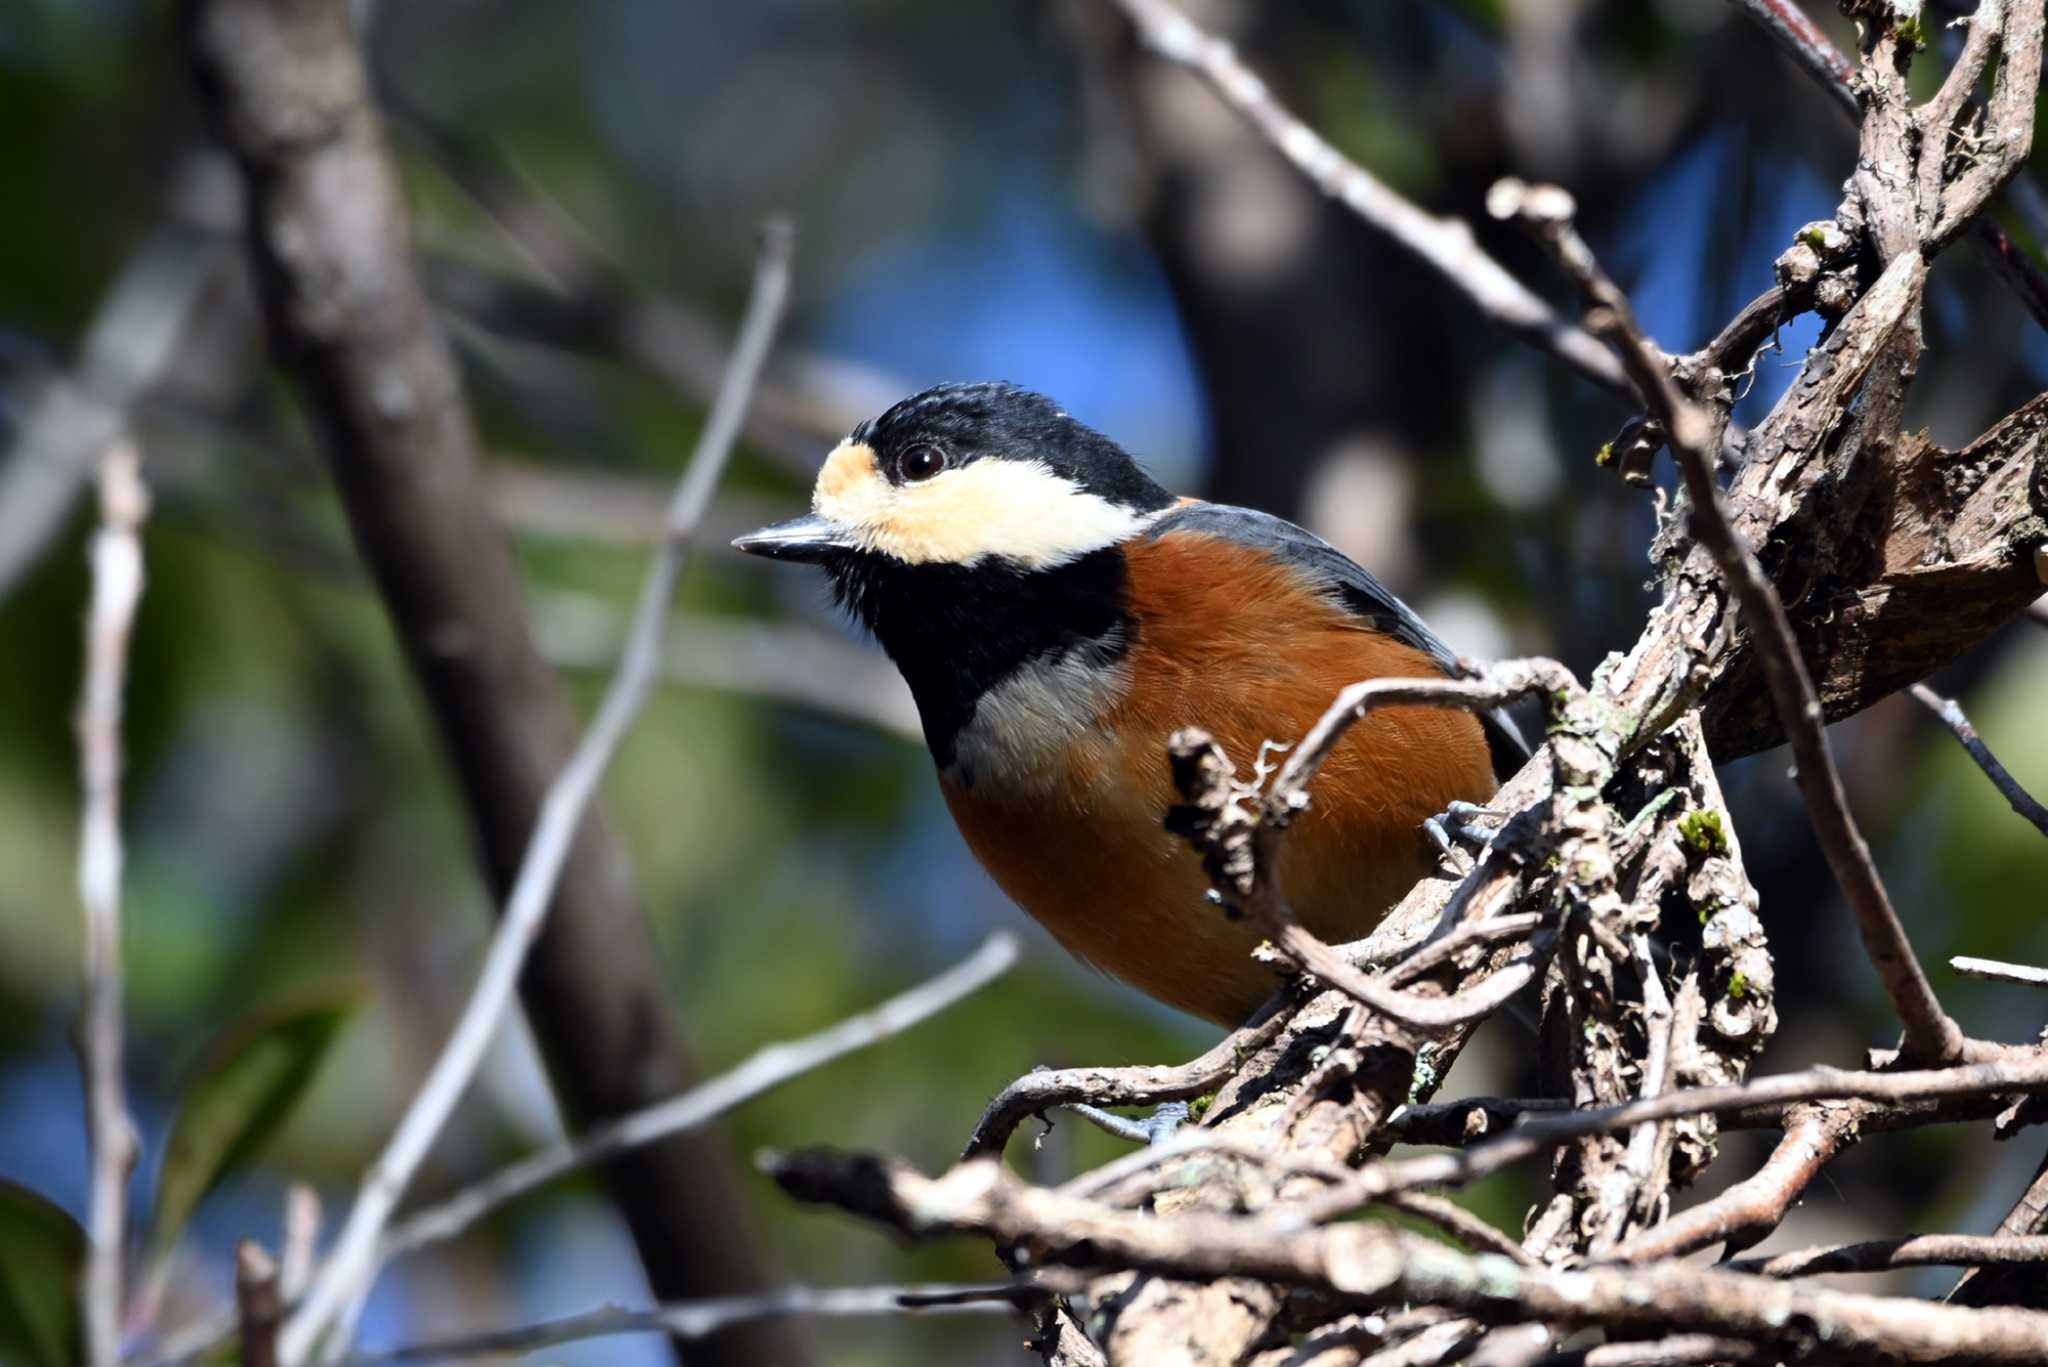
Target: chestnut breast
{"type": "Point", "coordinates": [1068, 788]}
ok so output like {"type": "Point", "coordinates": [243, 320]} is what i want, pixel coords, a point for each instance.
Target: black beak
{"type": "Point", "coordinates": [805, 538]}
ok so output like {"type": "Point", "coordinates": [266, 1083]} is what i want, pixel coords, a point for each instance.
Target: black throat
{"type": "Point", "coordinates": [957, 631]}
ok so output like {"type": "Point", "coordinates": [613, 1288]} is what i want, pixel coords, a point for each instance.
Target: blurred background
{"type": "Point", "coordinates": [1002, 190]}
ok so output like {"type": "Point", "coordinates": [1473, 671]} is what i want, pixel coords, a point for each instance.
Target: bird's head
{"type": "Point", "coordinates": [966, 475]}
{"type": "Point", "coordinates": [974, 529]}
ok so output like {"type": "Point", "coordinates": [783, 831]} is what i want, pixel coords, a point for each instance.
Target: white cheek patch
{"type": "Point", "coordinates": [1016, 509]}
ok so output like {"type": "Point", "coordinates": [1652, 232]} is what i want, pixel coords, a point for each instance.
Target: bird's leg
{"type": "Point", "coordinates": [1156, 1128]}
{"type": "Point", "coordinates": [1459, 821]}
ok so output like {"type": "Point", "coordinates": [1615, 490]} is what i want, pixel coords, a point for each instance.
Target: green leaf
{"type": "Point", "coordinates": [241, 1096]}
{"type": "Point", "coordinates": [42, 1255]}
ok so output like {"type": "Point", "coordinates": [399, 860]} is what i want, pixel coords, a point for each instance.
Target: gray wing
{"type": "Point", "coordinates": [1352, 587]}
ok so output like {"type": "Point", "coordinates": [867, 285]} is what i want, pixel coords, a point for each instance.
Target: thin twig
{"type": "Point", "coordinates": [1040, 1091]}
{"type": "Point", "coordinates": [1679, 1350]}
{"type": "Point", "coordinates": [1202, 771]}
{"type": "Point", "coordinates": [258, 1304]}
{"type": "Point", "coordinates": [1444, 244]}
{"type": "Point", "coordinates": [1914, 1250]}
{"type": "Point", "coordinates": [1951, 714]}
{"type": "Point", "coordinates": [117, 576]}
{"type": "Point", "coordinates": [2028, 1216]}
{"type": "Point", "coordinates": [1461, 1224]}
{"type": "Point", "coordinates": [2026, 975]}
{"type": "Point", "coordinates": [793, 665]}
{"type": "Point", "coordinates": [1647, 1183]}
{"type": "Point", "coordinates": [132, 341]}
{"type": "Point", "coordinates": [768, 1068]}
{"type": "Point", "coordinates": [1505, 682]}
{"type": "Point", "coordinates": [1803, 41]}
{"type": "Point", "coordinates": [301, 1240]}
{"type": "Point", "coordinates": [1455, 1124]}
{"type": "Point", "coordinates": [1539, 1132]}
{"type": "Point", "coordinates": [1930, 1034]}
{"type": "Point", "coordinates": [344, 1280]}
{"type": "Point", "coordinates": [692, 1320]}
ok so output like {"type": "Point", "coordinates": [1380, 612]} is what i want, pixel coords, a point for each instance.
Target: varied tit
{"type": "Point", "coordinates": [1058, 616]}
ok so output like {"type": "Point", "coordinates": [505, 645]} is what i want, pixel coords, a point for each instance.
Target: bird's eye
{"type": "Point", "coordinates": [921, 462]}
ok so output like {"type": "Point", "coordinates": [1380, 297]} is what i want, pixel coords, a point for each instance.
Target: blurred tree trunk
{"type": "Point", "coordinates": [328, 230]}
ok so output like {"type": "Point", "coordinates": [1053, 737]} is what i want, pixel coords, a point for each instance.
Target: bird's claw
{"type": "Point", "coordinates": [1459, 822]}
{"type": "Point", "coordinates": [1156, 1128]}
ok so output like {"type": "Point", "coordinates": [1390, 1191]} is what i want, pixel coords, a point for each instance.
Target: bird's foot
{"type": "Point", "coordinates": [1156, 1128]}
{"type": "Point", "coordinates": [1459, 822]}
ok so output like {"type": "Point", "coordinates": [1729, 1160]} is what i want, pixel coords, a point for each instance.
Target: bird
{"type": "Point", "coordinates": [1058, 615]}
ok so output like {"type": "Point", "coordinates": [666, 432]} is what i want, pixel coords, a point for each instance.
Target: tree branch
{"type": "Point", "coordinates": [1747, 1212]}
{"type": "Point", "coordinates": [1367, 1264]}
{"type": "Point", "coordinates": [1444, 244]}
{"type": "Point", "coordinates": [767, 1068]}
{"type": "Point", "coordinates": [1915, 1250]}
{"type": "Point", "coordinates": [1951, 714]}
{"type": "Point", "coordinates": [131, 341]}
{"type": "Point", "coordinates": [2025, 975]}
{"type": "Point", "coordinates": [1930, 1034]}
{"type": "Point", "coordinates": [1041, 1091]}
{"type": "Point", "coordinates": [117, 576]}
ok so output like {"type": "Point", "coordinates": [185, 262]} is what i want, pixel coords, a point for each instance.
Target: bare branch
{"type": "Point", "coordinates": [2025, 1072]}
{"type": "Point", "coordinates": [1748, 1211]}
{"type": "Point", "coordinates": [1444, 244]}
{"type": "Point", "coordinates": [1461, 1224]}
{"type": "Point", "coordinates": [1989, 1286]}
{"type": "Point", "coordinates": [693, 1320]}
{"type": "Point", "coordinates": [1914, 1250]}
{"type": "Point", "coordinates": [1930, 1034]}
{"type": "Point", "coordinates": [793, 665]}
{"type": "Point", "coordinates": [767, 1068]}
{"type": "Point", "coordinates": [1789, 26]}
{"type": "Point", "coordinates": [1374, 1265]}
{"type": "Point", "coordinates": [258, 1304]}
{"type": "Point", "coordinates": [1951, 714]}
{"type": "Point", "coordinates": [1997, 153]}
{"type": "Point", "coordinates": [131, 342]}
{"type": "Point", "coordinates": [1038, 1092]}
{"type": "Point", "coordinates": [301, 1240]}
{"type": "Point", "coordinates": [1803, 41]}
{"type": "Point", "coordinates": [117, 576]}
{"type": "Point", "coordinates": [344, 1281]}
{"type": "Point", "coordinates": [1242, 854]}
{"type": "Point", "coordinates": [1469, 1120]}
{"type": "Point", "coordinates": [2025, 975]}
